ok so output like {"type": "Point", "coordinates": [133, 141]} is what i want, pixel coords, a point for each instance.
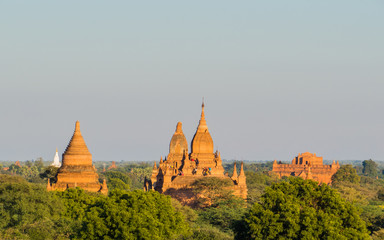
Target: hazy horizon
{"type": "Point", "coordinates": [278, 77]}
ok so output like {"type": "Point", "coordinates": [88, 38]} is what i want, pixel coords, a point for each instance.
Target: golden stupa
{"type": "Point", "coordinates": [77, 169]}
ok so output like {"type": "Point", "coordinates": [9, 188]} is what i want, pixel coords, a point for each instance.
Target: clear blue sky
{"type": "Point", "coordinates": [279, 77]}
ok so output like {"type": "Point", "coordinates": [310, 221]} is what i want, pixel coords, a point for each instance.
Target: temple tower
{"type": "Point", "coordinates": [56, 160]}
{"type": "Point", "coordinates": [202, 148]}
{"type": "Point", "coordinates": [77, 169]}
{"type": "Point", "coordinates": [177, 148]}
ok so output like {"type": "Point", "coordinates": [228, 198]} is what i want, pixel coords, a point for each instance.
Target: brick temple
{"type": "Point", "coordinates": [307, 166]}
{"type": "Point", "coordinates": [180, 169]}
{"type": "Point", "coordinates": [77, 169]}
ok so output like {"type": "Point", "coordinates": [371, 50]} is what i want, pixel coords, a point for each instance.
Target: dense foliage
{"type": "Point", "coordinates": [370, 168]}
{"type": "Point", "coordinates": [346, 173]}
{"type": "Point", "coordinates": [28, 211]}
{"type": "Point", "coordinates": [302, 209]}
{"type": "Point", "coordinates": [123, 215]}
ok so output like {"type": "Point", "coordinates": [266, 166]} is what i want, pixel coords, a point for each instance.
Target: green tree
{"type": "Point", "coordinates": [213, 191]}
{"type": "Point", "coordinates": [28, 211]}
{"type": "Point", "coordinates": [346, 173]}
{"type": "Point", "coordinates": [123, 215]}
{"type": "Point", "coordinates": [302, 209]}
{"type": "Point", "coordinates": [39, 163]}
{"type": "Point", "coordinates": [256, 183]}
{"type": "Point", "coordinates": [49, 173]}
{"type": "Point", "coordinates": [117, 180]}
{"type": "Point", "coordinates": [370, 168]}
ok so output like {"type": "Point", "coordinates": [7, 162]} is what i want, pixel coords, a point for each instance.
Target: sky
{"type": "Point", "coordinates": [278, 77]}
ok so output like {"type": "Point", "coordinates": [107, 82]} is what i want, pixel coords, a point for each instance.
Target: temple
{"type": "Point", "coordinates": [113, 166]}
{"type": "Point", "coordinates": [180, 169]}
{"type": "Point", "coordinates": [307, 166]}
{"type": "Point", "coordinates": [56, 160]}
{"type": "Point", "coordinates": [77, 169]}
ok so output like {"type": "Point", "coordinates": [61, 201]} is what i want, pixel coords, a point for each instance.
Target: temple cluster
{"type": "Point", "coordinates": [180, 169]}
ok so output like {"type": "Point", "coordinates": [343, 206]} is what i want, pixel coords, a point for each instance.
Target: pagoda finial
{"type": "Point", "coordinates": [202, 124]}
{"type": "Point", "coordinates": [202, 110]}
{"type": "Point", "coordinates": [77, 126]}
{"type": "Point", "coordinates": [179, 128]}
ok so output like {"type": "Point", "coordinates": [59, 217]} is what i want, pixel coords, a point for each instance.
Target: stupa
{"type": "Point", "coordinates": [181, 169]}
{"type": "Point", "coordinates": [77, 169]}
{"type": "Point", "coordinates": [56, 160]}
{"type": "Point", "coordinates": [307, 166]}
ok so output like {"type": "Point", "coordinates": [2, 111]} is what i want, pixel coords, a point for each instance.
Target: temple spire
{"type": "Point", "coordinates": [202, 123]}
{"type": "Point", "coordinates": [179, 128]}
{"type": "Point", "coordinates": [154, 166]}
{"type": "Point", "coordinates": [242, 178]}
{"type": "Point", "coordinates": [77, 144]}
{"type": "Point", "coordinates": [234, 175]}
{"type": "Point", "coordinates": [242, 169]}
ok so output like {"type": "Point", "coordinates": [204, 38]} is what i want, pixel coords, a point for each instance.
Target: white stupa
{"type": "Point", "coordinates": [56, 160]}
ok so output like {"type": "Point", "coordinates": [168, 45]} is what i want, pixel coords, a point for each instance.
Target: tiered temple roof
{"type": "Point", "coordinates": [77, 169]}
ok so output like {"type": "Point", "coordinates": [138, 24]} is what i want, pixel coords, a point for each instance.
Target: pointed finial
{"type": "Point", "coordinates": [77, 126]}
{"type": "Point", "coordinates": [242, 169]}
{"type": "Point", "coordinates": [202, 123]}
{"type": "Point", "coordinates": [161, 159]}
{"type": "Point", "coordinates": [154, 165]}
{"type": "Point", "coordinates": [179, 127]}
{"type": "Point", "coordinates": [202, 110]}
{"type": "Point", "coordinates": [56, 149]}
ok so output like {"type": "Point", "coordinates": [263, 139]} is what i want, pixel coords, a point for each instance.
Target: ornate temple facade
{"type": "Point", "coordinates": [307, 166]}
{"type": "Point", "coordinates": [180, 169]}
{"type": "Point", "coordinates": [77, 169]}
